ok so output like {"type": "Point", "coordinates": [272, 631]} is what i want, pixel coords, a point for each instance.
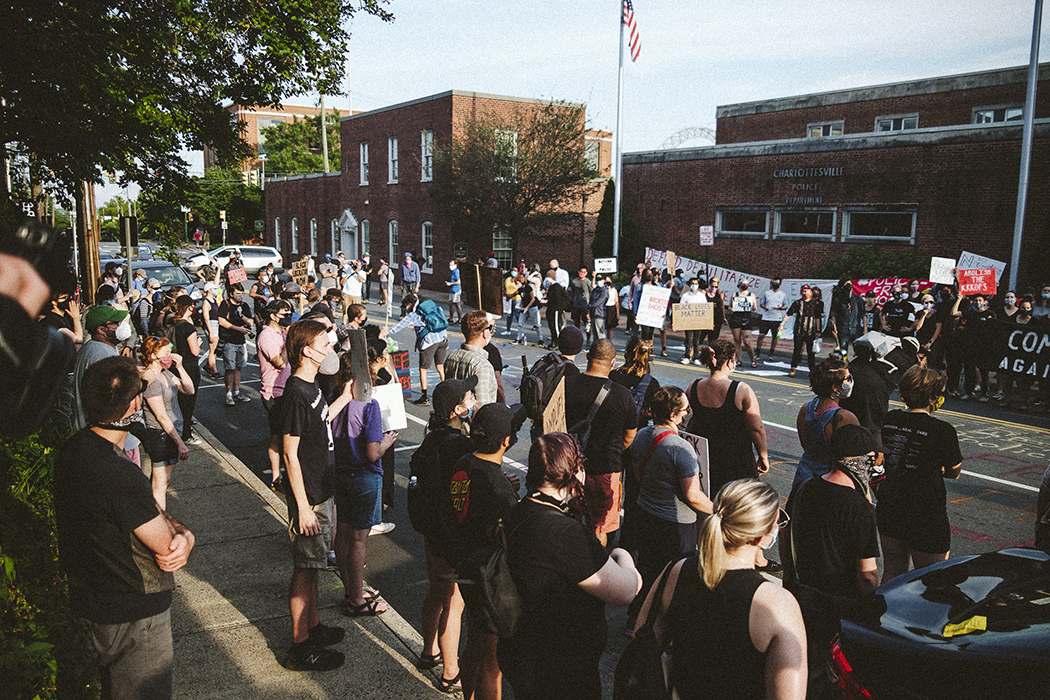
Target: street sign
{"type": "Point", "coordinates": [224, 226]}
{"type": "Point", "coordinates": [707, 235]}
{"type": "Point", "coordinates": [605, 266]}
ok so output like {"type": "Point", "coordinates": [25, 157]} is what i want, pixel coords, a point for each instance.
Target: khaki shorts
{"type": "Point", "coordinates": [310, 551]}
{"type": "Point", "coordinates": [603, 494]}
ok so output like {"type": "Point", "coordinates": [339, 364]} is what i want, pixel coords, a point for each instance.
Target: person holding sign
{"type": "Point", "coordinates": [693, 295]}
{"type": "Point", "coordinates": [741, 305]}
{"type": "Point", "coordinates": [233, 272]}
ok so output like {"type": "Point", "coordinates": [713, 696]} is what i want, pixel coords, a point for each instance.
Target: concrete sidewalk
{"type": "Point", "coordinates": [230, 612]}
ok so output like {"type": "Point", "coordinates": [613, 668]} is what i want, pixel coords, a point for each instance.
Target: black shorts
{"type": "Point", "coordinates": [931, 533]}
{"type": "Point", "coordinates": [768, 327]}
{"type": "Point", "coordinates": [434, 353]}
{"type": "Point", "coordinates": [741, 321]}
{"type": "Point", "coordinates": [161, 448]}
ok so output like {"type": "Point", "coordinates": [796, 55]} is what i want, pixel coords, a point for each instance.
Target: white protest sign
{"type": "Point", "coordinates": [652, 309]}
{"type": "Point", "coordinates": [707, 235]}
{"type": "Point", "coordinates": [942, 270]}
{"type": "Point", "coordinates": [702, 458]}
{"type": "Point", "coordinates": [973, 261]}
{"type": "Point", "coordinates": [391, 400]}
{"type": "Point", "coordinates": [605, 266]}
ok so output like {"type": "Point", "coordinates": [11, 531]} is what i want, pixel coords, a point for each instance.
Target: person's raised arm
{"type": "Point", "coordinates": [183, 381]}
{"type": "Point", "coordinates": [617, 582]}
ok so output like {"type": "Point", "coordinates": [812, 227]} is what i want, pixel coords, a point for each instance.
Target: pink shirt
{"type": "Point", "coordinates": [270, 344]}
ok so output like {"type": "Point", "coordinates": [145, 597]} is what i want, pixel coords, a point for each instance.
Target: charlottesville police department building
{"type": "Point", "coordinates": [930, 166]}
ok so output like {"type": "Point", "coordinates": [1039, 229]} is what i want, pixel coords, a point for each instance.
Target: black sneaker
{"type": "Point", "coordinates": [324, 636]}
{"type": "Point", "coordinates": [422, 401]}
{"type": "Point", "coordinates": [310, 657]}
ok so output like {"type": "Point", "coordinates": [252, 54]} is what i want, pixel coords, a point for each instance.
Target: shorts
{"type": "Point", "coordinates": [310, 551]}
{"type": "Point", "coordinates": [770, 327]}
{"type": "Point", "coordinates": [348, 300]}
{"type": "Point", "coordinates": [213, 330]}
{"type": "Point", "coordinates": [434, 353]}
{"type": "Point", "coordinates": [741, 322]}
{"type": "Point", "coordinates": [455, 297]}
{"type": "Point", "coordinates": [161, 448]}
{"type": "Point", "coordinates": [602, 494]}
{"type": "Point", "coordinates": [136, 656]}
{"type": "Point", "coordinates": [234, 356]}
{"type": "Point", "coordinates": [357, 498]}
{"type": "Point", "coordinates": [930, 534]}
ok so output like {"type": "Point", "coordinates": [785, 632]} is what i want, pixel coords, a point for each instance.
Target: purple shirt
{"type": "Point", "coordinates": [353, 428]}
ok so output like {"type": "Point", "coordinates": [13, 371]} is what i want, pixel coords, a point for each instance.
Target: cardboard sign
{"type": "Point", "coordinates": [670, 263]}
{"type": "Point", "coordinates": [237, 275]}
{"type": "Point", "coordinates": [605, 266]}
{"type": "Point", "coordinates": [554, 413]}
{"type": "Point", "coordinates": [483, 288]}
{"type": "Point", "coordinates": [977, 282]}
{"type": "Point", "coordinates": [391, 406]}
{"type": "Point", "coordinates": [942, 270]}
{"type": "Point", "coordinates": [700, 447]}
{"type": "Point", "coordinates": [359, 365]}
{"type": "Point", "coordinates": [972, 261]}
{"type": "Point", "coordinates": [707, 235]}
{"type": "Point", "coordinates": [299, 272]}
{"type": "Point", "coordinates": [652, 309]}
{"type": "Point", "coordinates": [692, 317]}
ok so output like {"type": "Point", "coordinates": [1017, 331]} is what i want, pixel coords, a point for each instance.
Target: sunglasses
{"type": "Point", "coordinates": [491, 329]}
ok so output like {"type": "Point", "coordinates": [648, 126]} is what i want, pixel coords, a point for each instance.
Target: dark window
{"type": "Point", "coordinates": [743, 221]}
{"type": "Point", "coordinates": [807, 223]}
{"type": "Point", "coordinates": [881, 224]}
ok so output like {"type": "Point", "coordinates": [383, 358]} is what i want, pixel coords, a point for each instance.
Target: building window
{"type": "Point", "coordinates": [364, 238]}
{"type": "Point", "coordinates": [295, 235]}
{"type": "Point", "coordinates": [749, 222]}
{"type": "Point", "coordinates": [313, 236]}
{"type": "Point", "coordinates": [899, 122]}
{"type": "Point", "coordinates": [391, 166]}
{"type": "Point", "coordinates": [805, 223]}
{"type": "Point", "coordinates": [506, 150]}
{"type": "Point", "coordinates": [502, 246]}
{"type": "Point", "coordinates": [394, 247]}
{"type": "Point", "coordinates": [261, 125]}
{"type": "Point", "coordinates": [591, 153]}
{"type": "Point", "coordinates": [992, 115]}
{"type": "Point", "coordinates": [364, 162]}
{"type": "Point", "coordinates": [426, 148]}
{"type": "Point", "coordinates": [879, 223]}
{"type": "Point", "coordinates": [427, 265]}
{"type": "Point", "coordinates": [819, 129]}
{"type": "Point", "coordinates": [277, 233]}
{"type": "Point", "coordinates": [335, 237]}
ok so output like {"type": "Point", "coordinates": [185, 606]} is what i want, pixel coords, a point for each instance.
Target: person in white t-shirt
{"type": "Point", "coordinates": [774, 309]}
{"type": "Point", "coordinates": [693, 295]}
{"type": "Point", "coordinates": [353, 285]}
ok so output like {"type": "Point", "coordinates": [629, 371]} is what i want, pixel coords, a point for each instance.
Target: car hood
{"type": "Point", "coordinates": [990, 602]}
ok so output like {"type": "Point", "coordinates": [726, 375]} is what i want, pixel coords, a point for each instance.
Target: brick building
{"type": "Point", "coordinates": [379, 204]}
{"type": "Point", "coordinates": [791, 183]}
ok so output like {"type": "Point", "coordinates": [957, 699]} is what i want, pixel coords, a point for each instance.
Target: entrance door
{"type": "Point", "coordinates": [347, 225]}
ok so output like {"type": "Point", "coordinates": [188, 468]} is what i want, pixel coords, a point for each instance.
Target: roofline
{"type": "Point", "coordinates": [458, 93]}
{"type": "Point", "coordinates": [924, 86]}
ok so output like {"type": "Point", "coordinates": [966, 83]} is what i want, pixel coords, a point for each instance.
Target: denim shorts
{"type": "Point", "coordinates": [357, 497]}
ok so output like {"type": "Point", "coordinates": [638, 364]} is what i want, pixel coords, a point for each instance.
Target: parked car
{"type": "Point", "coordinates": [254, 257]}
{"type": "Point", "coordinates": [970, 627]}
{"type": "Point", "coordinates": [169, 276]}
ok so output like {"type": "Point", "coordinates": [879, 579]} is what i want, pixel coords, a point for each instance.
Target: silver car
{"type": "Point", "coordinates": [254, 257]}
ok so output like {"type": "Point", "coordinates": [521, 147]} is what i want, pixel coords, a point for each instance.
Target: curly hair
{"type": "Point", "coordinates": [828, 373]}
{"type": "Point", "coordinates": [151, 347]}
{"type": "Point", "coordinates": [718, 353]}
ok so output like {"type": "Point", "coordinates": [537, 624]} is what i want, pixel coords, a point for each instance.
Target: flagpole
{"type": "Point", "coordinates": [618, 170]}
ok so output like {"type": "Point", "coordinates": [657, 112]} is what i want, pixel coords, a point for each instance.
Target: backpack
{"type": "Point", "coordinates": [639, 391]}
{"type": "Point", "coordinates": [488, 589]}
{"type": "Point", "coordinates": [433, 318]}
{"type": "Point", "coordinates": [538, 384]}
{"type": "Point", "coordinates": [425, 493]}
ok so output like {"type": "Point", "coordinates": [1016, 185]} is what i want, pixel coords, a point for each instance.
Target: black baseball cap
{"type": "Point", "coordinates": [449, 394]}
{"type": "Point", "coordinates": [496, 420]}
{"type": "Point", "coordinates": [852, 441]}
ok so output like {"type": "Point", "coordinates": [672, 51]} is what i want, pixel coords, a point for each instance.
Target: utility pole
{"type": "Point", "coordinates": [324, 135]}
{"type": "Point", "coordinates": [1026, 146]}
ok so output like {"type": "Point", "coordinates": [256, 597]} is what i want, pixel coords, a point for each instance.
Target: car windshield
{"type": "Point", "coordinates": [169, 276]}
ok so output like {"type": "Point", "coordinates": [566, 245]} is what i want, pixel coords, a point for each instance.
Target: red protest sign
{"type": "Point", "coordinates": [977, 282]}
{"type": "Point", "coordinates": [236, 275]}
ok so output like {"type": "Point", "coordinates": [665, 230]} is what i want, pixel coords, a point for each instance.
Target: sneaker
{"type": "Point", "coordinates": [698, 363]}
{"type": "Point", "coordinates": [310, 657]}
{"type": "Point", "coordinates": [241, 397]}
{"type": "Point", "coordinates": [685, 360]}
{"type": "Point", "coordinates": [194, 440]}
{"type": "Point", "coordinates": [324, 636]}
{"type": "Point", "coordinates": [381, 529]}
{"type": "Point", "coordinates": [663, 353]}
{"type": "Point", "coordinates": [422, 401]}
{"type": "Point", "coordinates": [964, 397]}
{"type": "Point", "coordinates": [331, 561]}
{"type": "Point", "coordinates": [983, 398]}
{"type": "Point", "coordinates": [229, 400]}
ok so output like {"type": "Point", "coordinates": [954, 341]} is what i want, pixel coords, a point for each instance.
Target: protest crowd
{"type": "Point", "coordinates": [636, 494]}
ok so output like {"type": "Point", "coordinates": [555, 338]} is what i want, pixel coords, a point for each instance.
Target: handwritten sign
{"type": "Point", "coordinates": [973, 261]}
{"type": "Point", "coordinates": [692, 317]}
{"type": "Point", "coordinates": [977, 282]}
{"type": "Point", "coordinates": [237, 275]}
{"type": "Point", "coordinates": [743, 303]}
{"type": "Point", "coordinates": [652, 309]}
{"type": "Point", "coordinates": [554, 413]}
{"type": "Point", "coordinates": [942, 270]}
{"type": "Point", "coordinates": [403, 369]}
{"type": "Point", "coordinates": [605, 266]}
{"type": "Point", "coordinates": [299, 272]}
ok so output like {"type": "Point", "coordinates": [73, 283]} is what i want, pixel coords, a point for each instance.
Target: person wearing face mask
{"type": "Point", "coordinates": [612, 308]}
{"type": "Point", "coordinates": [164, 417]}
{"type": "Point", "coordinates": [105, 327]}
{"type": "Point", "coordinates": [210, 311]}
{"type": "Point", "coordinates": [1009, 306]}
{"type": "Point", "coordinates": [915, 293]}
{"type": "Point", "coordinates": [898, 314]}
{"type": "Point", "coordinates": [846, 312]}
{"type": "Point", "coordinates": [808, 314]}
{"type": "Point", "coordinates": [433, 465]}
{"type": "Point", "coordinates": [455, 292]}
{"type": "Point", "coordinates": [921, 452]}
{"type": "Point", "coordinates": [260, 294]}
{"type": "Point", "coordinates": [329, 272]}
{"type": "Point", "coordinates": [693, 295]}
{"type": "Point", "coordinates": [819, 418]}
{"type": "Point", "coordinates": [774, 310]}
{"type": "Point", "coordinates": [1041, 309]}
{"type": "Point", "coordinates": [930, 325]}
{"type": "Point", "coordinates": [976, 332]}
{"type": "Point", "coordinates": [64, 315]}
{"type": "Point", "coordinates": [741, 305]}
{"type": "Point", "coordinates": [1008, 379]}
{"type": "Point", "coordinates": [565, 579]}
{"type": "Point", "coordinates": [235, 325]}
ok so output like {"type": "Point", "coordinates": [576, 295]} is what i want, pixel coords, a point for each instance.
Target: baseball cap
{"type": "Point", "coordinates": [209, 286]}
{"type": "Point", "coordinates": [154, 283]}
{"type": "Point", "coordinates": [101, 315]}
{"type": "Point", "coordinates": [292, 288]}
{"type": "Point", "coordinates": [495, 420]}
{"type": "Point", "coordinates": [805, 287]}
{"type": "Point", "coordinates": [449, 394]}
{"type": "Point", "coordinates": [852, 441]}
{"type": "Point", "coordinates": [570, 341]}
{"type": "Point", "coordinates": [408, 255]}
{"type": "Point", "coordinates": [327, 256]}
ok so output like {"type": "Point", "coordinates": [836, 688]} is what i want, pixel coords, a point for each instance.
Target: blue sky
{"type": "Point", "coordinates": [695, 56]}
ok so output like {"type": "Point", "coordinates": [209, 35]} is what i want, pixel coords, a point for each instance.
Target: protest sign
{"type": "Point", "coordinates": [605, 266]}
{"type": "Point", "coordinates": [402, 369]}
{"type": "Point", "coordinates": [972, 261]}
{"type": "Point", "coordinates": [883, 287]}
{"type": "Point", "coordinates": [237, 275]}
{"type": "Point", "coordinates": [652, 309]}
{"type": "Point", "coordinates": [1023, 352]}
{"type": "Point", "coordinates": [670, 263]}
{"type": "Point", "coordinates": [977, 282]}
{"type": "Point", "coordinates": [391, 406]}
{"type": "Point", "coordinates": [299, 272]}
{"type": "Point", "coordinates": [942, 270]}
{"type": "Point", "coordinates": [692, 317]}
{"type": "Point", "coordinates": [483, 288]}
{"type": "Point", "coordinates": [700, 447]}
{"type": "Point", "coordinates": [554, 413]}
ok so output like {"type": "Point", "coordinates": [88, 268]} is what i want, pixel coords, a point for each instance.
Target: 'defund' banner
{"type": "Point", "coordinates": [1024, 352]}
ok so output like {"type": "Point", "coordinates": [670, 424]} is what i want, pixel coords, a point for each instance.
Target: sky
{"type": "Point", "coordinates": [694, 56]}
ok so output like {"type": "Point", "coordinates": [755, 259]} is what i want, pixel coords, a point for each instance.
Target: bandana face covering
{"type": "Point", "coordinates": [859, 468]}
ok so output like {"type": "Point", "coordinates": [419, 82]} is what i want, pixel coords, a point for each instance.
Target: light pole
{"type": "Point", "coordinates": [262, 180]}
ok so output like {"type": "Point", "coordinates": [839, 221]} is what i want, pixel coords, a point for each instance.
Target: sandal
{"type": "Point", "coordinates": [368, 593]}
{"type": "Point", "coordinates": [428, 661]}
{"type": "Point", "coordinates": [369, 607]}
{"type": "Point", "coordinates": [753, 363]}
{"type": "Point", "coordinates": [446, 685]}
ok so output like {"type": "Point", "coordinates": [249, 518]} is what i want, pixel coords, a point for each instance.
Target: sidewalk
{"type": "Point", "coordinates": [230, 611]}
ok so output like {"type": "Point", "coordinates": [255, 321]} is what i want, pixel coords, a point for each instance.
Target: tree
{"type": "Point", "coordinates": [520, 174]}
{"type": "Point", "coordinates": [632, 245]}
{"type": "Point", "coordinates": [294, 148]}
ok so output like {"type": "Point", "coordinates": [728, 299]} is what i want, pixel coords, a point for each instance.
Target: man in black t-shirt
{"type": "Point", "coordinates": [117, 548]}
{"type": "Point", "coordinates": [898, 314]}
{"type": "Point", "coordinates": [235, 325]}
{"type": "Point", "coordinates": [303, 422]}
{"type": "Point", "coordinates": [612, 432]}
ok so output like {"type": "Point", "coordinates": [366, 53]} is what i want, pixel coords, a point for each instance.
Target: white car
{"type": "Point", "coordinates": [254, 257]}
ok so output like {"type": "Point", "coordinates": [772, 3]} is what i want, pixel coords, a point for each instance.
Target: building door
{"type": "Point", "coordinates": [347, 226]}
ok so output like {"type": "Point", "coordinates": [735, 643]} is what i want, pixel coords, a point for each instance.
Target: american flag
{"type": "Point", "coordinates": [635, 39]}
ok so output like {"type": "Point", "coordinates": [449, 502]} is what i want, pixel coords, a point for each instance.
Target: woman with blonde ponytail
{"type": "Point", "coordinates": [734, 633]}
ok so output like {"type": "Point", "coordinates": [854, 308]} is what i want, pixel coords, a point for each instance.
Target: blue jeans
{"type": "Point", "coordinates": [530, 317]}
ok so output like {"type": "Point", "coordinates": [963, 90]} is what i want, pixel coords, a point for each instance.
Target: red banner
{"type": "Point", "coordinates": [977, 282]}
{"type": "Point", "coordinates": [884, 286]}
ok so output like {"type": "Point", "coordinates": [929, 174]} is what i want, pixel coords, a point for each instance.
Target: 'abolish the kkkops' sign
{"type": "Point", "coordinates": [977, 281]}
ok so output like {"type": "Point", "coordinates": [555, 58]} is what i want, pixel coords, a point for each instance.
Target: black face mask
{"type": "Point", "coordinates": [285, 320]}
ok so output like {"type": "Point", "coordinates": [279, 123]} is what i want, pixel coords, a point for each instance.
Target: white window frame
{"type": "Point", "coordinates": [794, 235]}
{"type": "Point", "coordinates": [592, 153]}
{"type": "Point", "coordinates": [507, 138]}
{"type": "Point", "coordinates": [313, 236]}
{"type": "Point", "coordinates": [363, 156]}
{"type": "Point", "coordinates": [1004, 109]}
{"type": "Point", "coordinates": [391, 160]}
{"type": "Point", "coordinates": [427, 237]}
{"type": "Point", "coordinates": [849, 212]}
{"type": "Point", "coordinates": [393, 243]}
{"type": "Point", "coordinates": [365, 242]}
{"type": "Point", "coordinates": [503, 248]}
{"type": "Point", "coordinates": [277, 233]}
{"type": "Point", "coordinates": [828, 127]}
{"type": "Point", "coordinates": [426, 154]}
{"type": "Point", "coordinates": [295, 235]}
{"type": "Point", "coordinates": [892, 118]}
{"type": "Point", "coordinates": [722, 232]}
{"type": "Point", "coordinates": [335, 237]}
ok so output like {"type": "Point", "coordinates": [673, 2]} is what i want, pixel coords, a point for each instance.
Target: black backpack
{"type": "Point", "coordinates": [428, 487]}
{"type": "Point", "coordinates": [538, 384]}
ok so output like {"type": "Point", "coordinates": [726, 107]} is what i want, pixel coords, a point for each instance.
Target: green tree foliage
{"type": "Point", "coordinates": [294, 148]}
{"type": "Point", "coordinates": [632, 244]}
{"type": "Point", "coordinates": [865, 261]}
{"type": "Point", "coordinates": [524, 173]}
{"type": "Point", "coordinates": [89, 86]}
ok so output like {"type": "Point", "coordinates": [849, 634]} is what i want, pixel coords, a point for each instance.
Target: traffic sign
{"type": "Point", "coordinates": [707, 235]}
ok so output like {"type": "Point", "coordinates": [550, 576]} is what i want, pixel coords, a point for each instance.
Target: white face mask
{"type": "Point", "coordinates": [123, 332]}
{"type": "Point", "coordinates": [330, 364]}
{"type": "Point", "coordinates": [118, 271]}
{"type": "Point", "coordinates": [846, 390]}
{"type": "Point", "coordinates": [774, 542]}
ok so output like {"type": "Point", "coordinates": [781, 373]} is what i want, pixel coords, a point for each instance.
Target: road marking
{"type": "Point", "coordinates": [223, 386]}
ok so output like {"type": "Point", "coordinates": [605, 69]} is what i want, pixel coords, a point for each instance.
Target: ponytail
{"type": "Point", "coordinates": [745, 510]}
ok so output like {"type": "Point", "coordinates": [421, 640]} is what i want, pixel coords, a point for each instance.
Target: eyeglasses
{"type": "Point", "coordinates": [491, 329]}
{"type": "Point", "coordinates": [782, 518]}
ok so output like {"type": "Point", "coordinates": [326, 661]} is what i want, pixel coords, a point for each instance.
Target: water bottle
{"type": "Point", "coordinates": [413, 483]}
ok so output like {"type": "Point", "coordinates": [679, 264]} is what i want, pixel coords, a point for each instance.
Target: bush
{"type": "Point", "coordinates": [865, 261]}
